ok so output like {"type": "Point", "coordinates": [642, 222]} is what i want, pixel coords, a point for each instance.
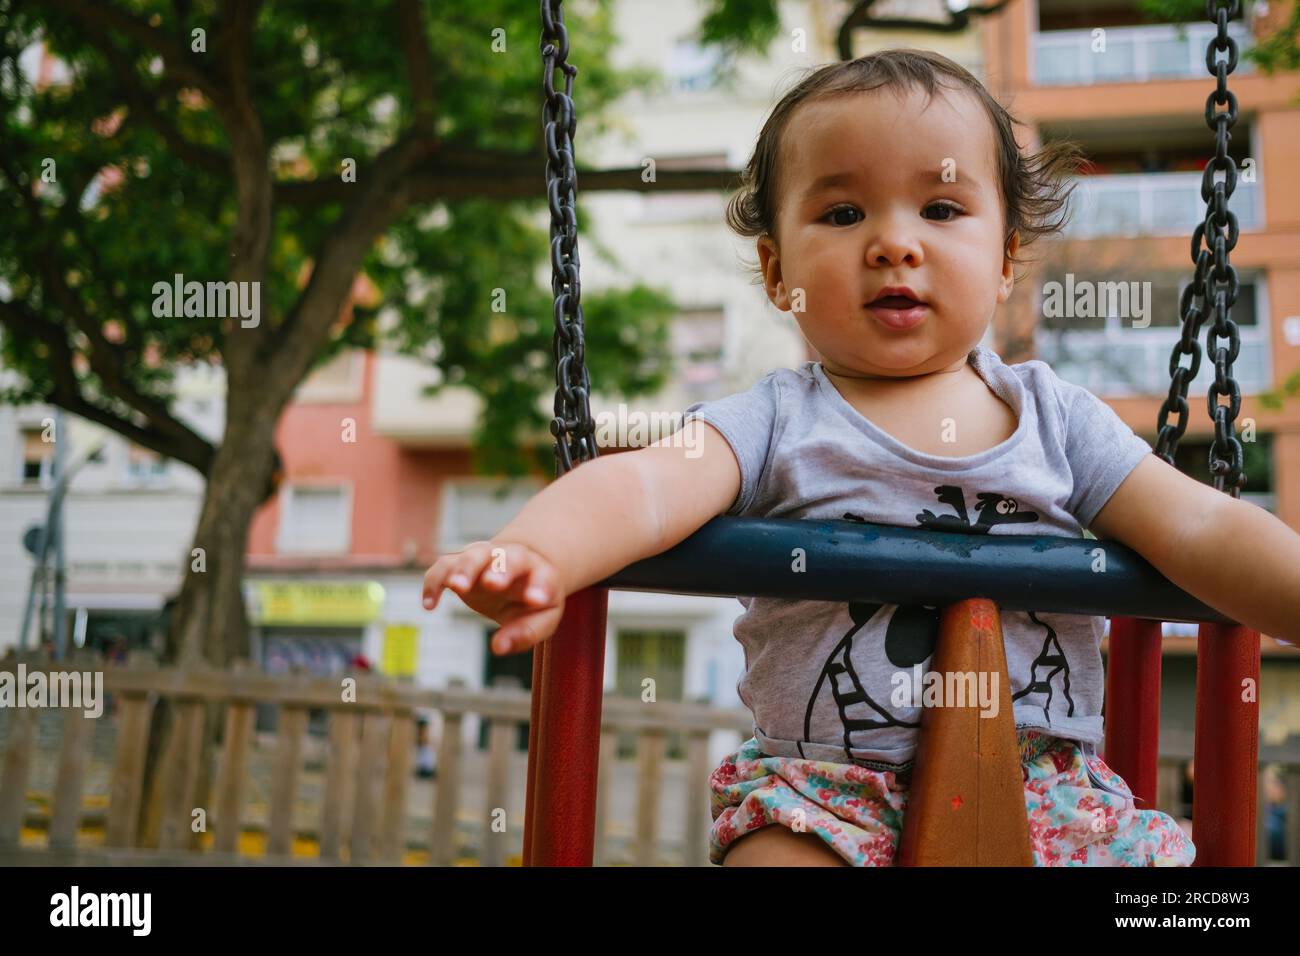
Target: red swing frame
{"type": "Point", "coordinates": [568, 680]}
{"type": "Point", "coordinates": [568, 687]}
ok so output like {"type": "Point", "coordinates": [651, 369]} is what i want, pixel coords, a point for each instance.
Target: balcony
{"type": "Point", "coordinates": [1150, 204]}
{"type": "Point", "coordinates": [401, 411]}
{"type": "Point", "coordinates": [1132, 54]}
{"type": "Point", "coordinates": [1132, 362]}
{"type": "Point", "coordinates": [1111, 358]}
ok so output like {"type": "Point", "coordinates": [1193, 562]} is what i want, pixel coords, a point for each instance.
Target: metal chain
{"type": "Point", "coordinates": [572, 425]}
{"type": "Point", "coordinates": [1214, 285]}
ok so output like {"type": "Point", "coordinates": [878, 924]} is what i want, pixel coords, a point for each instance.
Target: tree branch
{"type": "Point", "coordinates": [103, 360]}
{"type": "Point", "coordinates": [250, 242]}
{"type": "Point", "coordinates": [495, 175]}
{"type": "Point", "coordinates": [377, 202]}
{"type": "Point", "coordinates": [233, 103]}
{"type": "Point", "coordinates": [859, 18]}
{"type": "Point", "coordinates": [183, 445]}
{"type": "Point", "coordinates": [104, 357]}
{"type": "Point", "coordinates": [415, 50]}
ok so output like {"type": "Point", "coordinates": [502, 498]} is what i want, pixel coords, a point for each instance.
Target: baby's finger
{"type": "Point", "coordinates": [543, 585]}
{"type": "Point", "coordinates": [532, 581]}
{"type": "Point", "coordinates": [526, 629]}
{"type": "Point", "coordinates": [460, 572]}
{"type": "Point", "coordinates": [510, 563]}
{"type": "Point", "coordinates": [465, 575]}
{"type": "Point", "coordinates": [435, 579]}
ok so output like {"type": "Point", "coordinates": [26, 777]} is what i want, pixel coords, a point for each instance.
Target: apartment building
{"type": "Point", "coordinates": [1132, 94]}
{"type": "Point", "coordinates": [128, 519]}
{"type": "Point", "coordinates": [1137, 107]}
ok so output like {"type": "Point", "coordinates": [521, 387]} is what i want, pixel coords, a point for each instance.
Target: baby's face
{"type": "Point", "coordinates": [914, 203]}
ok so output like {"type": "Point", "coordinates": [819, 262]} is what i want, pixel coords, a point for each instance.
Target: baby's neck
{"type": "Point", "coordinates": [867, 381]}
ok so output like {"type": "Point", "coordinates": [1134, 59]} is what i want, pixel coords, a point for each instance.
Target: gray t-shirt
{"type": "Point", "coordinates": [821, 678]}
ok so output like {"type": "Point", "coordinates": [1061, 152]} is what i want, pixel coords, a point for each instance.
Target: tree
{"type": "Point", "coordinates": [283, 149]}
{"type": "Point", "coordinates": [273, 153]}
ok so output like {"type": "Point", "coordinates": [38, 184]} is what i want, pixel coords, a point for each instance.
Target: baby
{"type": "Point", "coordinates": [889, 201]}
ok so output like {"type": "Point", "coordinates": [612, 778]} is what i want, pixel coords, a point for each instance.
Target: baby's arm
{"type": "Point", "coordinates": [1234, 556]}
{"type": "Point", "coordinates": [608, 513]}
{"type": "Point", "coordinates": [596, 520]}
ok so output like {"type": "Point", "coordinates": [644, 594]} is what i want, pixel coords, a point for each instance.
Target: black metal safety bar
{"type": "Point", "coordinates": [852, 561]}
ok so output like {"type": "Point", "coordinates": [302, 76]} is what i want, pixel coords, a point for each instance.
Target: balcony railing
{"type": "Point", "coordinates": [1132, 54]}
{"type": "Point", "coordinates": [1150, 204]}
{"type": "Point", "coordinates": [1117, 362]}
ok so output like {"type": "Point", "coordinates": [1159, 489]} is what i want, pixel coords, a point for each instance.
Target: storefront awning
{"type": "Point", "coordinates": [339, 603]}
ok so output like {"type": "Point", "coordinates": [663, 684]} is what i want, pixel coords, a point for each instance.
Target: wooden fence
{"type": "Point", "coordinates": [364, 812]}
{"type": "Point", "coordinates": [364, 815]}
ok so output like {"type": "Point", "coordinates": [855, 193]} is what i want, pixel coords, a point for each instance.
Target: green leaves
{"type": "Point", "coordinates": [145, 190]}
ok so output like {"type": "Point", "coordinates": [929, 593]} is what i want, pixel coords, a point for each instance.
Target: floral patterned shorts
{"type": "Point", "coordinates": [1080, 812]}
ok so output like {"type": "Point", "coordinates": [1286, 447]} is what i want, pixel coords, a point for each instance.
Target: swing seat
{"type": "Point", "coordinates": [966, 805]}
{"type": "Point", "coordinates": [967, 800]}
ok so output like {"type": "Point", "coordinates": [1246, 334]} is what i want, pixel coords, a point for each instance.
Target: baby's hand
{"type": "Point", "coordinates": [510, 583]}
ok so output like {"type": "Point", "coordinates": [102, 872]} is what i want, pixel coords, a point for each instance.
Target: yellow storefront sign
{"type": "Point", "coordinates": [339, 603]}
{"type": "Point", "coordinates": [400, 642]}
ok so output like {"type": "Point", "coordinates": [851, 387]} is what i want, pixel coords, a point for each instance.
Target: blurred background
{"type": "Point", "coordinates": [249, 485]}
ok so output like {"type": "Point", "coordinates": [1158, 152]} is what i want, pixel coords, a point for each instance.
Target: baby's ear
{"type": "Point", "coordinates": [769, 262]}
{"type": "Point", "coordinates": [1009, 266]}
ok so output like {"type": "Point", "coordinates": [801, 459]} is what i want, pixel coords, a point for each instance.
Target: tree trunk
{"type": "Point", "coordinates": [209, 626]}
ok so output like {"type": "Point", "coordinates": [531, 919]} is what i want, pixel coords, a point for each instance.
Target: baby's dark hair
{"type": "Point", "coordinates": [1034, 187]}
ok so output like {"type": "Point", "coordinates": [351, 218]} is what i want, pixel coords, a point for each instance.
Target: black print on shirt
{"type": "Point", "coordinates": [993, 509]}
{"type": "Point", "coordinates": [912, 632]}
{"type": "Point", "coordinates": [909, 640]}
{"type": "Point", "coordinates": [1051, 659]}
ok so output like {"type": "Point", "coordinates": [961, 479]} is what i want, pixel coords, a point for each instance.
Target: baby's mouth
{"type": "Point", "coordinates": [898, 312]}
{"type": "Point", "coordinates": [895, 302]}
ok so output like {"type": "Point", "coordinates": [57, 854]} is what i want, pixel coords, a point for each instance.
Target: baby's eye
{"type": "Point", "coordinates": [950, 207]}
{"type": "Point", "coordinates": [837, 211]}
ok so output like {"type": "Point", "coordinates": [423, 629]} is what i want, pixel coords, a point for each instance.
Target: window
{"type": "Point", "coordinates": [315, 519]}
{"type": "Point", "coordinates": [1092, 45]}
{"type": "Point", "coordinates": [144, 464]}
{"type": "Point", "coordinates": [38, 457]}
{"type": "Point", "coordinates": [318, 651]}
{"type": "Point", "coordinates": [113, 632]}
{"type": "Point", "coordinates": [661, 656]}
{"type": "Point", "coordinates": [1168, 203]}
{"type": "Point", "coordinates": [693, 68]}
{"type": "Point", "coordinates": [477, 510]}
{"type": "Point", "coordinates": [1116, 307]}
{"type": "Point", "coordinates": [1088, 333]}
{"type": "Point", "coordinates": [697, 338]}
